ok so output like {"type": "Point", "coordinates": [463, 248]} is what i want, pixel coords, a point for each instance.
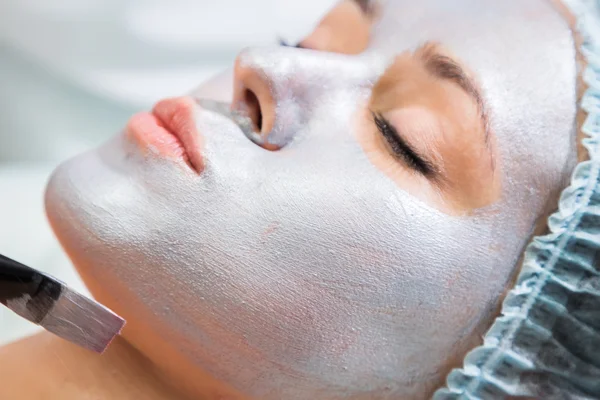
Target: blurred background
{"type": "Point", "coordinates": [73, 71]}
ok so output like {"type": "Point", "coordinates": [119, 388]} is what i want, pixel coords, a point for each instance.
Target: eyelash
{"type": "Point", "coordinates": [400, 148]}
{"type": "Point", "coordinates": [284, 43]}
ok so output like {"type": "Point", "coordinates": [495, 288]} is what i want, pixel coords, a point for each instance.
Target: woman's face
{"type": "Point", "coordinates": [363, 236]}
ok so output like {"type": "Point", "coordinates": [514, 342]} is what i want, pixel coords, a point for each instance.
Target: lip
{"type": "Point", "coordinates": [170, 131]}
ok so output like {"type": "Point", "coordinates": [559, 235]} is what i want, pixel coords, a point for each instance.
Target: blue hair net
{"type": "Point", "coordinates": [546, 342]}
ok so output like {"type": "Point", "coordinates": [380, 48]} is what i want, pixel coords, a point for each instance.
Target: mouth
{"type": "Point", "coordinates": [169, 131]}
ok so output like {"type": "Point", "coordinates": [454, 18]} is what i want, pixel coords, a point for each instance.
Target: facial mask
{"type": "Point", "coordinates": [546, 342]}
{"type": "Point", "coordinates": [306, 272]}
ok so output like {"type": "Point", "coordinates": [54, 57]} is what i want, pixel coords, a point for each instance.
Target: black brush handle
{"type": "Point", "coordinates": [38, 291]}
{"type": "Point", "coordinates": [17, 280]}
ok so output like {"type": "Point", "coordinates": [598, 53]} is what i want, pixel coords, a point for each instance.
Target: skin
{"type": "Point", "coordinates": [46, 367]}
{"type": "Point", "coordinates": [471, 191]}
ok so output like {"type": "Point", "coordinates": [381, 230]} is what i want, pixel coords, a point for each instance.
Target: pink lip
{"type": "Point", "coordinates": [170, 130]}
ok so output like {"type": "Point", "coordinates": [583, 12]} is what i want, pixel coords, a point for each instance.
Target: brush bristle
{"type": "Point", "coordinates": [82, 321]}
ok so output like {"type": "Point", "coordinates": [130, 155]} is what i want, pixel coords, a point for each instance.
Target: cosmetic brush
{"type": "Point", "coordinates": [54, 306]}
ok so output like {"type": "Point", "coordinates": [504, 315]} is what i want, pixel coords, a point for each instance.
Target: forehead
{"type": "Point", "coordinates": [479, 32]}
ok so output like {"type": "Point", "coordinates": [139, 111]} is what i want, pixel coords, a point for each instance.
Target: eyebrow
{"type": "Point", "coordinates": [365, 5]}
{"type": "Point", "coordinates": [444, 67]}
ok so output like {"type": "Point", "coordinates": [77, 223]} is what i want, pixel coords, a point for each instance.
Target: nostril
{"type": "Point", "coordinates": [254, 111]}
{"type": "Point", "coordinates": [253, 100]}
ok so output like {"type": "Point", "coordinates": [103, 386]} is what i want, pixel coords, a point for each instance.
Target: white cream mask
{"type": "Point", "coordinates": [306, 273]}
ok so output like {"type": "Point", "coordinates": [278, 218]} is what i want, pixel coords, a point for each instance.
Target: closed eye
{"type": "Point", "coordinates": [401, 150]}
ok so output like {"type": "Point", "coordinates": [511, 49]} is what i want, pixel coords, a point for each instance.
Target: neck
{"type": "Point", "coordinates": [44, 366]}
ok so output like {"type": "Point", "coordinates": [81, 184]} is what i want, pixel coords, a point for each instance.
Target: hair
{"type": "Point", "coordinates": [582, 153]}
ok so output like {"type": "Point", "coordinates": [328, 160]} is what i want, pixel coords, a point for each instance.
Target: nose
{"type": "Point", "coordinates": [253, 95]}
{"type": "Point", "coordinates": [279, 87]}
